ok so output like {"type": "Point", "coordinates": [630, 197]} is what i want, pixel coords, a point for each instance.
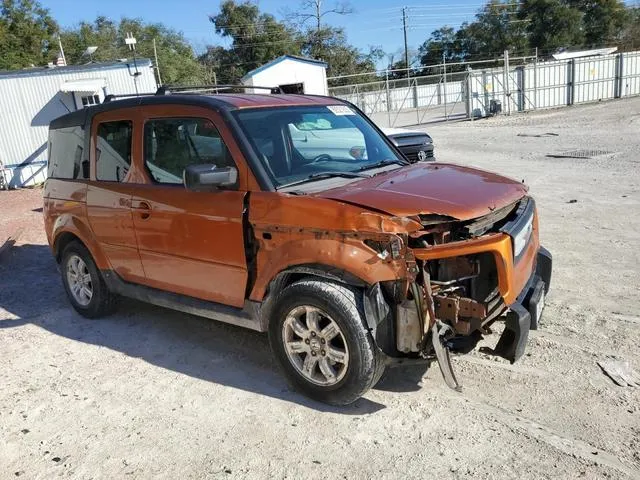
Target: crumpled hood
{"type": "Point", "coordinates": [427, 188]}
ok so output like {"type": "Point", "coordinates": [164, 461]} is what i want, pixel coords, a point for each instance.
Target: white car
{"type": "Point", "coordinates": [311, 139]}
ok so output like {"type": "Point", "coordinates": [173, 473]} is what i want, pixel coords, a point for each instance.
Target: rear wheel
{"type": "Point", "coordinates": [319, 336]}
{"type": "Point", "coordinates": [84, 284]}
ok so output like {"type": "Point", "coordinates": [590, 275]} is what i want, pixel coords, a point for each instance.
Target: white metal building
{"type": "Point", "coordinates": [31, 98]}
{"type": "Point", "coordinates": [291, 73]}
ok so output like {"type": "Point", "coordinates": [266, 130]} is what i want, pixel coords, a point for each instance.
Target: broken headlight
{"type": "Point", "coordinates": [386, 249]}
{"type": "Point", "coordinates": [521, 237]}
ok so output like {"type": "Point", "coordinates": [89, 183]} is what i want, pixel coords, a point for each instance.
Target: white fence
{"type": "Point", "coordinates": [528, 86]}
{"type": "Point", "coordinates": [555, 83]}
{"type": "Point", "coordinates": [415, 95]}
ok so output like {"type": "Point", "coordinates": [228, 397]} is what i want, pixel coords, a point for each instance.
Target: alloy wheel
{"type": "Point", "coordinates": [315, 345]}
{"type": "Point", "coordinates": [79, 280]}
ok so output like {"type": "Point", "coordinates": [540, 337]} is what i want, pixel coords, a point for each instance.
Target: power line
{"type": "Point", "coordinates": [450, 6]}
{"type": "Point", "coordinates": [276, 42]}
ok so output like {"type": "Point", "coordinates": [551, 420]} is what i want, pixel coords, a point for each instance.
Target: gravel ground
{"type": "Point", "coordinates": [21, 215]}
{"type": "Point", "coordinates": [154, 393]}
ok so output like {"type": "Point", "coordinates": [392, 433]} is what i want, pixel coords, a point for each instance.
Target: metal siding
{"type": "Point", "coordinates": [402, 98]}
{"type": "Point", "coordinates": [428, 95]}
{"type": "Point", "coordinates": [548, 84]}
{"type": "Point", "coordinates": [30, 102]}
{"type": "Point", "coordinates": [630, 74]}
{"type": "Point", "coordinates": [594, 79]}
{"type": "Point", "coordinates": [551, 84]}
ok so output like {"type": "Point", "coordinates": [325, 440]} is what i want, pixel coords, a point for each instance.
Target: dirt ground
{"type": "Point", "coordinates": [154, 393]}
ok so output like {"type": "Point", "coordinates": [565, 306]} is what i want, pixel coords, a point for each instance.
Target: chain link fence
{"type": "Point", "coordinates": [468, 90]}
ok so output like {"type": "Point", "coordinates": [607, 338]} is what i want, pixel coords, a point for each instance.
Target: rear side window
{"type": "Point", "coordinates": [113, 150]}
{"type": "Point", "coordinates": [170, 144]}
{"type": "Point", "coordinates": [65, 154]}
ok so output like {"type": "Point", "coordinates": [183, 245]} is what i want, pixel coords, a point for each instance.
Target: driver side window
{"type": "Point", "coordinates": [170, 144]}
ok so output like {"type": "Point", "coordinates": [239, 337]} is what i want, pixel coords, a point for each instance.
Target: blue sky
{"type": "Point", "coordinates": [374, 22]}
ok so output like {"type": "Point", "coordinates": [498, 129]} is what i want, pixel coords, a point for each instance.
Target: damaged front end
{"type": "Point", "coordinates": [467, 275]}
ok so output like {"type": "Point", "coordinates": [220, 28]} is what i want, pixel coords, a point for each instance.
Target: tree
{"type": "Point", "coordinates": [444, 43]}
{"type": "Point", "coordinates": [177, 62]}
{"type": "Point", "coordinates": [218, 66]}
{"type": "Point", "coordinates": [602, 20]}
{"type": "Point", "coordinates": [330, 44]}
{"type": "Point", "coordinates": [495, 29]}
{"type": "Point", "coordinates": [551, 24]}
{"type": "Point", "coordinates": [256, 39]}
{"type": "Point", "coordinates": [313, 11]}
{"type": "Point", "coordinates": [630, 35]}
{"type": "Point", "coordinates": [26, 34]}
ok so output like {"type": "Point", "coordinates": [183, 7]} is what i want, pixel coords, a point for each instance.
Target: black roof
{"type": "Point", "coordinates": [216, 102]}
{"type": "Point", "coordinates": [84, 116]}
{"type": "Point", "coordinates": [55, 70]}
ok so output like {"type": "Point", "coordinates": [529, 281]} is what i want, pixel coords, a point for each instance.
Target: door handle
{"type": "Point", "coordinates": [143, 208]}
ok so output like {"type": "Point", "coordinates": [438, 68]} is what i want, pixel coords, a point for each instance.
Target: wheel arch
{"type": "Point", "coordinates": [69, 229]}
{"type": "Point", "coordinates": [376, 306]}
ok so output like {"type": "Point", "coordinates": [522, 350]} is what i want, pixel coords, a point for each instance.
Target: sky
{"type": "Point", "coordinates": [373, 22]}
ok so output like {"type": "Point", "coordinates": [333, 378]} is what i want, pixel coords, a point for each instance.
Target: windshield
{"type": "Point", "coordinates": [298, 143]}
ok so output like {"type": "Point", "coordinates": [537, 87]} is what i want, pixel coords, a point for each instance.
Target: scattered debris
{"type": "Point", "coordinates": [580, 154]}
{"type": "Point", "coordinates": [620, 372]}
{"type": "Point", "coordinates": [548, 134]}
{"type": "Point", "coordinates": [573, 200]}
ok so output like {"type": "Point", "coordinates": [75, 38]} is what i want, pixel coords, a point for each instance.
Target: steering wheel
{"type": "Point", "coordinates": [322, 158]}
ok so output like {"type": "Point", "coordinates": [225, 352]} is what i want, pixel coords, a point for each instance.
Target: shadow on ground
{"type": "Point", "coordinates": [31, 292]}
{"type": "Point", "coordinates": [406, 378]}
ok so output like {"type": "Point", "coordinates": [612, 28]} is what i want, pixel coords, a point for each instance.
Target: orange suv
{"type": "Point", "coordinates": [292, 215]}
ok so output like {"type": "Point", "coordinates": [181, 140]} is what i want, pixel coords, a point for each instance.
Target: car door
{"type": "Point", "coordinates": [110, 190]}
{"type": "Point", "coordinates": [190, 242]}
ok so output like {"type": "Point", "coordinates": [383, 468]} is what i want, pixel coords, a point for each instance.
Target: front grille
{"type": "Point", "coordinates": [413, 156]}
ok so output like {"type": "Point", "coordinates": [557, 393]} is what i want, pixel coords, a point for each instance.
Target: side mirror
{"type": "Point", "coordinates": [201, 177]}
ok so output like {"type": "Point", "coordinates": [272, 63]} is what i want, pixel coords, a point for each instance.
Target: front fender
{"type": "Point", "coordinates": [284, 250]}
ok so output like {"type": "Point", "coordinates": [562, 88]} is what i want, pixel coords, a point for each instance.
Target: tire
{"type": "Point", "coordinates": [350, 355]}
{"type": "Point", "coordinates": [76, 260]}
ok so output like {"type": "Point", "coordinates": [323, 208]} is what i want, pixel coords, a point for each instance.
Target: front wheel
{"type": "Point", "coordinates": [319, 336]}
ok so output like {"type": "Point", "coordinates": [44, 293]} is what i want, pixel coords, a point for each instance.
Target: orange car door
{"type": "Point", "coordinates": [109, 193]}
{"type": "Point", "coordinates": [190, 242]}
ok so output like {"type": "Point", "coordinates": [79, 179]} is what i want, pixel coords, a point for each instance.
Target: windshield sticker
{"type": "Point", "coordinates": [340, 110]}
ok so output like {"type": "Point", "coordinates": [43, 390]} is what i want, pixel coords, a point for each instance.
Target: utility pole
{"type": "Point", "coordinates": [406, 48]}
{"type": "Point", "coordinates": [131, 41]}
{"type": "Point", "coordinates": [505, 81]}
{"type": "Point", "coordinates": [64, 60]}
{"type": "Point", "coordinates": [444, 73]}
{"type": "Point", "coordinates": [535, 81]}
{"type": "Point", "coordinates": [155, 54]}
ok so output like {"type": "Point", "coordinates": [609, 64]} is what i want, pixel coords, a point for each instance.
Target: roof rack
{"type": "Point", "coordinates": [113, 96]}
{"type": "Point", "coordinates": [167, 89]}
